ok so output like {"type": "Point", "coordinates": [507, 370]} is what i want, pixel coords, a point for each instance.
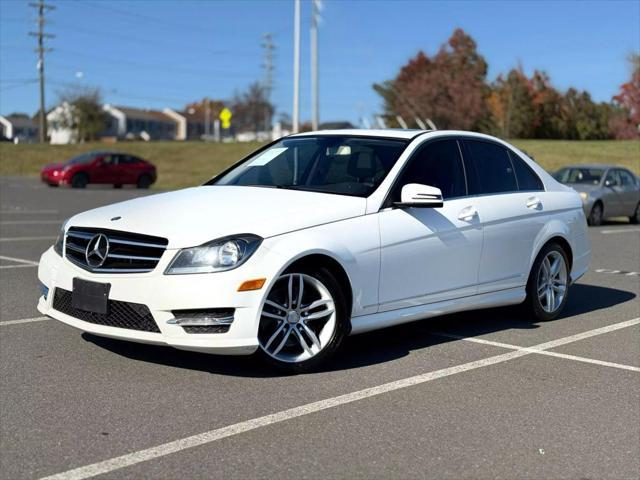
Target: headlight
{"type": "Point", "coordinates": [217, 256]}
{"type": "Point", "coordinates": [58, 246]}
{"type": "Point", "coordinates": [584, 196]}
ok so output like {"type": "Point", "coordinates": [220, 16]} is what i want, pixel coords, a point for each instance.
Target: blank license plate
{"type": "Point", "coordinates": [90, 296]}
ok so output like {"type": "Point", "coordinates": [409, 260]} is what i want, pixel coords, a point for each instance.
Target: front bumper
{"type": "Point", "coordinates": [162, 294]}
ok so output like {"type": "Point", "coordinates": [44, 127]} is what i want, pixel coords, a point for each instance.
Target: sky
{"type": "Point", "coordinates": [167, 53]}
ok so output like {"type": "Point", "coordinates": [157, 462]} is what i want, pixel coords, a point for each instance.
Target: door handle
{"type": "Point", "coordinates": [534, 203]}
{"type": "Point", "coordinates": [467, 214]}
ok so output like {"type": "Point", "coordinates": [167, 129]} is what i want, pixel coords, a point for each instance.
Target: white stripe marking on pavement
{"type": "Point", "coordinates": [3, 267]}
{"type": "Point", "coordinates": [32, 222]}
{"type": "Point", "coordinates": [18, 260]}
{"type": "Point", "coordinates": [140, 456]}
{"type": "Point", "coordinates": [27, 212]}
{"type": "Point", "coordinates": [621, 230]}
{"type": "Point", "coordinates": [539, 351]}
{"type": "Point", "coordinates": [25, 239]}
{"type": "Point", "coordinates": [23, 320]}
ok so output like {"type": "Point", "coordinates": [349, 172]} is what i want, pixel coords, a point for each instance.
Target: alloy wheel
{"type": "Point", "coordinates": [552, 281]}
{"type": "Point", "coordinates": [298, 319]}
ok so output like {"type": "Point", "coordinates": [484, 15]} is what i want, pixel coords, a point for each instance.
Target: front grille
{"type": "Point", "coordinates": [133, 316]}
{"type": "Point", "coordinates": [126, 252]}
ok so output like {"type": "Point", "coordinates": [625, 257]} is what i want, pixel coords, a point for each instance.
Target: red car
{"type": "Point", "coordinates": [100, 167]}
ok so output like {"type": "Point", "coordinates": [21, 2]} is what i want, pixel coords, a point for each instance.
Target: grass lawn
{"type": "Point", "coordinates": [183, 164]}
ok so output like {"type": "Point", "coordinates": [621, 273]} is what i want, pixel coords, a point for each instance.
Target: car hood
{"type": "Point", "coordinates": [53, 166]}
{"type": "Point", "coordinates": [197, 215]}
{"type": "Point", "coordinates": [584, 187]}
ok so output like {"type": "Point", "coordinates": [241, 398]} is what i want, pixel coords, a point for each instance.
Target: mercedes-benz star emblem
{"type": "Point", "coordinates": [97, 250]}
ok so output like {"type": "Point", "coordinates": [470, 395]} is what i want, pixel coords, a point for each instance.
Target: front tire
{"type": "Point", "coordinates": [79, 180]}
{"type": "Point", "coordinates": [303, 321]}
{"type": "Point", "coordinates": [635, 218]}
{"type": "Point", "coordinates": [595, 217]}
{"type": "Point", "coordinates": [548, 284]}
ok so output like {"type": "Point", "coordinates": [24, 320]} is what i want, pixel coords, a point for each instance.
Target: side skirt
{"type": "Point", "coordinates": [375, 321]}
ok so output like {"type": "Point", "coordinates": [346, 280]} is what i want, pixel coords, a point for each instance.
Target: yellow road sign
{"type": "Point", "coordinates": [225, 117]}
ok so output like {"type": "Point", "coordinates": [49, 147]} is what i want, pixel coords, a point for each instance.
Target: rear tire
{"type": "Point", "coordinates": [144, 181]}
{"type": "Point", "coordinates": [635, 218]}
{"type": "Point", "coordinates": [79, 180]}
{"type": "Point", "coordinates": [294, 336]}
{"type": "Point", "coordinates": [595, 217]}
{"type": "Point", "coordinates": [548, 284]}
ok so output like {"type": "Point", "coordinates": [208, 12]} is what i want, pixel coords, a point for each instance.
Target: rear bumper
{"type": "Point", "coordinates": [162, 294]}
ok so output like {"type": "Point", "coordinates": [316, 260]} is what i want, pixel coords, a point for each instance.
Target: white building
{"type": "Point", "coordinates": [19, 129]}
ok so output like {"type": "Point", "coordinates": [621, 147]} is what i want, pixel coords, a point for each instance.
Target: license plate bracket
{"type": "Point", "coordinates": [90, 296]}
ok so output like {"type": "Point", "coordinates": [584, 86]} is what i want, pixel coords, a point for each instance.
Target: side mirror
{"type": "Point", "coordinates": [420, 196]}
{"type": "Point", "coordinates": [610, 183]}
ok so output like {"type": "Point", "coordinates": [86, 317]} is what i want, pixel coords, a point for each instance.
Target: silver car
{"type": "Point", "coordinates": [606, 191]}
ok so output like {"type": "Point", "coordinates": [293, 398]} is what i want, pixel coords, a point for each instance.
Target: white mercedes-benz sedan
{"type": "Point", "coordinates": [321, 235]}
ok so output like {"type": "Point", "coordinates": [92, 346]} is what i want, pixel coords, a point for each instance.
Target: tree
{"type": "Point", "coordinates": [625, 123]}
{"type": "Point", "coordinates": [449, 88]}
{"type": "Point", "coordinates": [252, 110]}
{"type": "Point", "coordinates": [86, 116]}
{"type": "Point", "coordinates": [511, 105]}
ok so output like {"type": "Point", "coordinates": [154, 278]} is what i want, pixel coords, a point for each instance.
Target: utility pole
{"type": "Point", "coordinates": [315, 20]}
{"type": "Point", "coordinates": [267, 82]}
{"type": "Point", "coordinates": [41, 50]}
{"type": "Point", "coordinates": [207, 116]}
{"type": "Point", "coordinates": [296, 67]}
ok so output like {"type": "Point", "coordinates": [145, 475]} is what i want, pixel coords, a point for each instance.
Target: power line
{"type": "Point", "coordinates": [158, 21]}
{"type": "Point", "coordinates": [41, 35]}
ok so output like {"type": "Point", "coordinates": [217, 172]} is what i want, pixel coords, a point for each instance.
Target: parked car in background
{"type": "Point", "coordinates": [101, 168]}
{"type": "Point", "coordinates": [606, 191]}
{"type": "Point", "coordinates": [321, 235]}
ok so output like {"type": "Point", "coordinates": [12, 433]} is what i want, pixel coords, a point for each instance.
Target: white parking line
{"type": "Point", "coordinates": [621, 230]}
{"type": "Point", "coordinates": [32, 222]}
{"type": "Point", "coordinates": [8, 267]}
{"type": "Point", "coordinates": [140, 456]}
{"type": "Point", "coordinates": [23, 320]}
{"type": "Point", "coordinates": [25, 239]}
{"type": "Point", "coordinates": [27, 212]}
{"type": "Point", "coordinates": [18, 260]}
{"type": "Point", "coordinates": [544, 352]}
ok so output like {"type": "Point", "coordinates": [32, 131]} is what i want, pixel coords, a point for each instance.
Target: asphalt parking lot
{"type": "Point", "coordinates": [486, 394]}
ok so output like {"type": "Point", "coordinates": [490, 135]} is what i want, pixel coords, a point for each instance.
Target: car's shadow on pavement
{"type": "Point", "coordinates": [379, 346]}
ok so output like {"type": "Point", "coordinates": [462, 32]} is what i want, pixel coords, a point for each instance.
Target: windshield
{"type": "Point", "coordinates": [341, 165]}
{"type": "Point", "coordinates": [83, 158]}
{"type": "Point", "coordinates": [586, 176]}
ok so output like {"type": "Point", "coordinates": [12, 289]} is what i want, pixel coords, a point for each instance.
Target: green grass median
{"type": "Point", "coordinates": [182, 164]}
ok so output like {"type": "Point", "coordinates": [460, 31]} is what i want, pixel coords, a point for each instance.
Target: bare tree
{"type": "Point", "coordinates": [86, 116]}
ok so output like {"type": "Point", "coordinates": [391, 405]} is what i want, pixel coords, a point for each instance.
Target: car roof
{"type": "Point", "coordinates": [406, 134]}
{"type": "Point", "coordinates": [603, 166]}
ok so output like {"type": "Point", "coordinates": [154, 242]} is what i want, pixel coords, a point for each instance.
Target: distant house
{"type": "Point", "coordinates": [57, 120]}
{"type": "Point", "coordinates": [19, 128]}
{"type": "Point", "coordinates": [190, 124]}
{"type": "Point", "coordinates": [135, 123]}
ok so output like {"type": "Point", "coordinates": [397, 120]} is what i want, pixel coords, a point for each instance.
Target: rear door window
{"type": "Point", "coordinates": [626, 178]}
{"type": "Point", "coordinates": [489, 168]}
{"type": "Point", "coordinates": [527, 179]}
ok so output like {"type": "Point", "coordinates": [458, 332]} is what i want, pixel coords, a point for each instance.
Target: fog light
{"type": "Point", "coordinates": [202, 318]}
{"type": "Point", "coordinates": [44, 290]}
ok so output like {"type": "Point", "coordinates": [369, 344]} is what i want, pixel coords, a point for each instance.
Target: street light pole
{"type": "Point", "coordinates": [315, 19]}
{"type": "Point", "coordinates": [296, 67]}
